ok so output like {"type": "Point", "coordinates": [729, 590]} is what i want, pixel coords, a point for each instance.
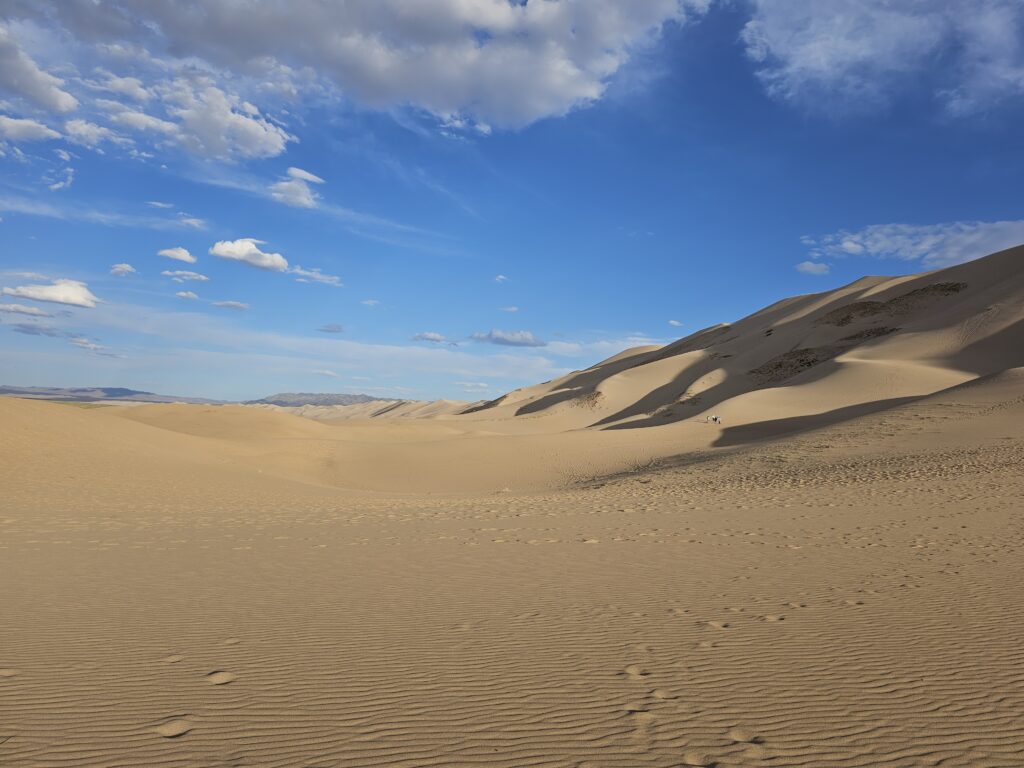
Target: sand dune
{"type": "Point", "coordinates": [583, 573]}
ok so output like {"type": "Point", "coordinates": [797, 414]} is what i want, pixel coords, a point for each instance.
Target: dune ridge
{"type": "Point", "coordinates": [581, 574]}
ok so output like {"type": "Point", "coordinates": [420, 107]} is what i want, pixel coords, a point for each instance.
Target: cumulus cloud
{"type": "Point", "coordinates": [90, 134]}
{"type": "Point", "coordinates": [813, 268]}
{"type": "Point", "coordinates": [247, 250]}
{"type": "Point", "coordinates": [21, 75]}
{"type": "Point", "coordinates": [861, 52]}
{"type": "Point", "coordinates": [187, 295]}
{"type": "Point", "coordinates": [23, 309]}
{"type": "Point", "coordinates": [295, 190]}
{"type": "Point", "coordinates": [181, 275]}
{"type": "Point", "coordinates": [933, 245]}
{"type": "Point", "coordinates": [331, 328]}
{"type": "Point", "coordinates": [236, 305]}
{"type": "Point", "coordinates": [500, 279]}
{"type": "Point", "coordinates": [510, 338]}
{"type": "Point", "coordinates": [314, 275]}
{"type": "Point", "coordinates": [674, 323]}
{"type": "Point", "coordinates": [22, 129]}
{"type": "Point", "coordinates": [468, 63]}
{"type": "Point", "coordinates": [130, 87]}
{"type": "Point", "coordinates": [122, 270]}
{"type": "Point", "coordinates": [215, 123]}
{"type": "Point", "coordinates": [178, 254]}
{"type": "Point", "coordinates": [71, 292]}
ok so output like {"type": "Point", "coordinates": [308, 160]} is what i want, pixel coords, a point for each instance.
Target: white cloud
{"type": "Point", "coordinates": [431, 336]}
{"type": "Point", "coordinates": [370, 302]}
{"type": "Point", "coordinates": [181, 275]}
{"type": "Point", "coordinates": [325, 372]}
{"type": "Point", "coordinates": [140, 121]}
{"type": "Point", "coordinates": [510, 338]}
{"type": "Point", "coordinates": [933, 245]}
{"type": "Point", "coordinates": [89, 134]}
{"type": "Point", "coordinates": [64, 183]}
{"type": "Point", "coordinates": [21, 129]}
{"type": "Point", "coordinates": [331, 328]}
{"type": "Point", "coordinates": [508, 309]}
{"type": "Point", "coordinates": [247, 250]}
{"type": "Point", "coordinates": [477, 387]}
{"type": "Point", "coordinates": [192, 222]}
{"type": "Point", "coordinates": [314, 275]}
{"type": "Point", "coordinates": [21, 75]}
{"type": "Point", "coordinates": [500, 279]}
{"type": "Point", "coordinates": [674, 323]}
{"type": "Point", "coordinates": [86, 344]}
{"type": "Point", "coordinates": [813, 268]}
{"type": "Point", "coordinates": [158, 204]}
{"type": "Point", "coordinates": [295, 190]}
{"type": "Point", "coordinates": [474, 64]}
{"type": "Point", "coordinates": [861, 52]}
{"type": "Point", "coordinates": [131, 87]}
{"type": "Point", "coordinates": [63, 154]}
{"type": "Point", "coordinates": [72, 292]}
{"type": "Point", "coordinates": [22, 309]}
{"type": "Point", "coordinates": [301, 175]}
{"type": "Point", "coordinates": [122, 270]}
{"type": "Point", "coordinates": [237, 305]}
{"type": "Point", "coordinates": [186, 295]}
{"type": "Point", "coordinates": [178, 254]}
{"type": "Point", "coordinates": [217, 124]}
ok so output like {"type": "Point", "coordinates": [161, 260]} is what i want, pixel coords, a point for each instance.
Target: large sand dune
{"type": "Point", "coordinates": [582, 573]}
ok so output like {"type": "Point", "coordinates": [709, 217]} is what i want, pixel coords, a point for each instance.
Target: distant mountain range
{"type": "Point", "coordinates": [93, 394]}
{"type": "Point", "coordinates": [100, 394]}
{"type": "Point", "coordinates": [316, 398]}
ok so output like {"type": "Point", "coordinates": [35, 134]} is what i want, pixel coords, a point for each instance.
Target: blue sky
{"type": "Point", "coordinates": [452, 198]}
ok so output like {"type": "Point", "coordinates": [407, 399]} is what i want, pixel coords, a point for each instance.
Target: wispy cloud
{"type": "Point", "coordinates": [510, 338]}
{"type": "Point", "coordinates": [72, 292]}
{"type": "Point", "coordinates": [933, 245]}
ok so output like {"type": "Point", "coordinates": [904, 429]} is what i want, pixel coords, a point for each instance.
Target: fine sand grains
{"type": "Point", "coordinates": [785, 606]}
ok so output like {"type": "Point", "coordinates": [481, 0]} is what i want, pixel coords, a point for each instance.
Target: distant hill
{"type": "Point", "coordinates": [294, 399]}
{"type": "Point", "coordinates": [93, 394]}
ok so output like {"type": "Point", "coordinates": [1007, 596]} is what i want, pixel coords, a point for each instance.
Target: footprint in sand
{"type": "Point", "coordinates": [773, 617]}
{"type": "Point", "coordinates": [5, 673]}
{"type": "Point", "coordinates": [717, 624]}
{"type": "Point", "coordinates": [796, 605]}
{"type": "Point", "coordinates": [172, 729]}
{"type": "Point", "coordinates": [698, 760]}
{"type": "Point", "coordinates": [220, 677]}
{"type": "Point", "coordinates": [741, 736]}
{"type": "Point", "coordinates": [232, 641]}
{"type": "Point", "coordinates": [661, 693]}
{"type": "Point", "coordinates": [172, 659]}
{"type": "Point", "coordinates": [634, 672]}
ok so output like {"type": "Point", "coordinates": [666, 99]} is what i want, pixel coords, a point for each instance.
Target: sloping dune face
{"type": "Point", "coordinates": [582, 573]}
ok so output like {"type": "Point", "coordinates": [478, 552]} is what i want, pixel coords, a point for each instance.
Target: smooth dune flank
{"type": "Point", "coordinates": [583, 573]}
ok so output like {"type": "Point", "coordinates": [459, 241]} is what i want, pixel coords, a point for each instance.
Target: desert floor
{"type": "Point", "coordinates": [849, 595]}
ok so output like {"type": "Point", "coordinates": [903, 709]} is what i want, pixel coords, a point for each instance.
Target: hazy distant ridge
{"type": "Point", "coordinates": [317, 398]}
